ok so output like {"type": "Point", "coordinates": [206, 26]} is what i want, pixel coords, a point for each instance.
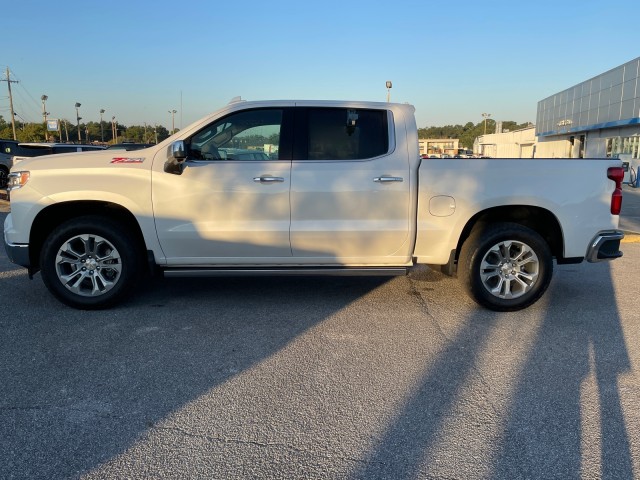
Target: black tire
{"type": "Point", "coordinates": [505, 266]}
{"type": "Point", "coordinates": [90, 262]}
{"type": "Point", "coordinates": [4, 173]}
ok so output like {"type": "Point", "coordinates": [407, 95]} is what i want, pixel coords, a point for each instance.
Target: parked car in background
{"type": "Point", "coordinates": [242, 154]}
{"type": "Point", "coordinates": [8, 148]}
{"type": "Point", "coordinates": [28, 150]}
{"type": "Point", "coordinates": [128, 146]}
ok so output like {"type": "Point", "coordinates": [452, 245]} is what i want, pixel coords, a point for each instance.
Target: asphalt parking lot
{"type": "Point", "coordinates": [324, 378]}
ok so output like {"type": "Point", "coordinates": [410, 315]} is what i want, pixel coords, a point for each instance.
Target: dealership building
{"type": "Point", "coordinates": [597, 118]}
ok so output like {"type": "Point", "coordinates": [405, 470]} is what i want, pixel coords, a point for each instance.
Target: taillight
{"type": "Point", "coordinates": [617, 175]}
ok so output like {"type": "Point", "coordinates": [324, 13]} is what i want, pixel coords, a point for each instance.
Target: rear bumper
{"type": "Point", "coordinates": [605, 246]}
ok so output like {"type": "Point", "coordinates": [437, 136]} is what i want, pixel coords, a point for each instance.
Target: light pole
{"type": "Point", "coordinates": [78, 118]}
{"type": "Point", "coordinates": [101, 129]}
{"type": "Point", "coordinates": [389, 85]}
{"type": "Point", "coordinates": [173, 116]}
{"type": "Point", "coordinates": [485, 116]}
{"type": "Point", "coordinates": [44, 114]}
{"type": "Point", "coordinates": [114, 132]}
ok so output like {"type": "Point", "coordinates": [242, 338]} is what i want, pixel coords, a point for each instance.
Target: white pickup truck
{"type": "Point", "coordinates": [306, 188]}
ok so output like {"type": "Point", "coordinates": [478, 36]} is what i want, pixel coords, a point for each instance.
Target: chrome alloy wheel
{"type": "Point", "coordinates": [509, 269]}
{"type": "Point", "coordinates": [88, 265]}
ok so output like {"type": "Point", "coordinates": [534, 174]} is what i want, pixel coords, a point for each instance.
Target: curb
{"type": "Point", "coordinates": [631, 237]}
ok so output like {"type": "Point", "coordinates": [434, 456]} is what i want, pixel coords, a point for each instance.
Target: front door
{"type": "Point", "coordinates": [230, 205]}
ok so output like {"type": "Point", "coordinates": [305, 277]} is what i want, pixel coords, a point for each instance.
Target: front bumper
{"type": "Point", "coordinates": [605, 246]}
{"type": "Point", "coordinates": [18, 254]}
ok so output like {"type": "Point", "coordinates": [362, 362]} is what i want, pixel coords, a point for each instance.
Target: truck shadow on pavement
{"type": "Point", "coordinates": [81, 387]}
{"type": "Point", "coordinates": [558, 414]}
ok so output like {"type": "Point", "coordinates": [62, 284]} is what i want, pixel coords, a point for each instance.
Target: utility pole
{"type": "Point", "coordinates": [13, 119]}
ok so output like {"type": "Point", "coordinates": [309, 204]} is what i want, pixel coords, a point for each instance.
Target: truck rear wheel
{"type": "Point", "coordinates": [90, 263]}
{"type": "Point", "coordinates": [505, 266]}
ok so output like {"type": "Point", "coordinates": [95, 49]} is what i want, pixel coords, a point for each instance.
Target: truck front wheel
{"type": "Point", "coordinates": [505, 266]}
{"type": "Point", "coordinates": [90, 262]}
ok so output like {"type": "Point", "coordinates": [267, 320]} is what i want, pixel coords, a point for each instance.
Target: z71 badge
{"type": "Point", "coordinates": [127, 160]}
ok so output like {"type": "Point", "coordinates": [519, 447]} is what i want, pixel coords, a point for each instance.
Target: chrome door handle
{"type": "Point", "coordinates": [268, 179]}
{"type": "Point", "coordinates": [385, 179]}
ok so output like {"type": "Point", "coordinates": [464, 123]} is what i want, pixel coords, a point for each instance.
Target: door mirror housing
{"type": "Point", "coordinates": [176, 155]}
{"type": "Point", "coordinates": [178, 151]}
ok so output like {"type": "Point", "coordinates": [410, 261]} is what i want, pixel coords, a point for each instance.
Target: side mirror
{"type": "Point", "coordinates": [177, 154]}
{"type": "Point", "coordinates": [178, 151]}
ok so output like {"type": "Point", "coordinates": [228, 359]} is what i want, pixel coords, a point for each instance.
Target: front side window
{"type": "Point", "coordinates": [250, 135]}
{"type": "Point", "coordinates": [347, 134]}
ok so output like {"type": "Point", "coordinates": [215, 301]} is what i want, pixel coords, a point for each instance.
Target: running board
{"type": "Point", "coordinates": [290, 271]}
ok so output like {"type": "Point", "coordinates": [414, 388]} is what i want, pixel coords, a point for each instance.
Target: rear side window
{"type": "Point", "coordinates": [346, 134]}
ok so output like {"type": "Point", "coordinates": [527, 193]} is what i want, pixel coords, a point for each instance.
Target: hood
{"type": "Point", "coordinates": [92, 159]}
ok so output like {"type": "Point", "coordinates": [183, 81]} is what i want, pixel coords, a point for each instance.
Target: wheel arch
{"type": "Point", "coordinates": [538, 219]}
{"type": "Point", "coordinates": [52, 216]}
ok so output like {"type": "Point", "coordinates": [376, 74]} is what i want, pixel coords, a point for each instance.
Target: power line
{"type": "Point", "coordinates": [35, 102]}
{"type": "Point", "coordinates": [32, 106]}
{"type": "Point", "coordinates": [25, 106]}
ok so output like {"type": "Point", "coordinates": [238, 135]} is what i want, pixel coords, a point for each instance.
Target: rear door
{"type": "Point", "coordinates": [350, 188]}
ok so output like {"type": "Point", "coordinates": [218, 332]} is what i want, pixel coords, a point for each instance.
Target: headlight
{"type": "Point", "coordinates": [17, 180]}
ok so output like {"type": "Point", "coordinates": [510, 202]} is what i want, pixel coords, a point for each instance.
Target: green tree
{"type": "Point", "coordinates": [469, 132]}
{"type": "Point", "coordinates": [163, 133]}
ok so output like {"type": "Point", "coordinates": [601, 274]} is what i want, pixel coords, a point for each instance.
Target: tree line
{"type": "Point", "coordinates": [468, 132]}
{"type": "Point", "coordinates": [90, 132]}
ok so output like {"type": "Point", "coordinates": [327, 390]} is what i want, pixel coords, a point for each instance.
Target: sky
{"type": "Point", "coordinates": [452, 60]}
